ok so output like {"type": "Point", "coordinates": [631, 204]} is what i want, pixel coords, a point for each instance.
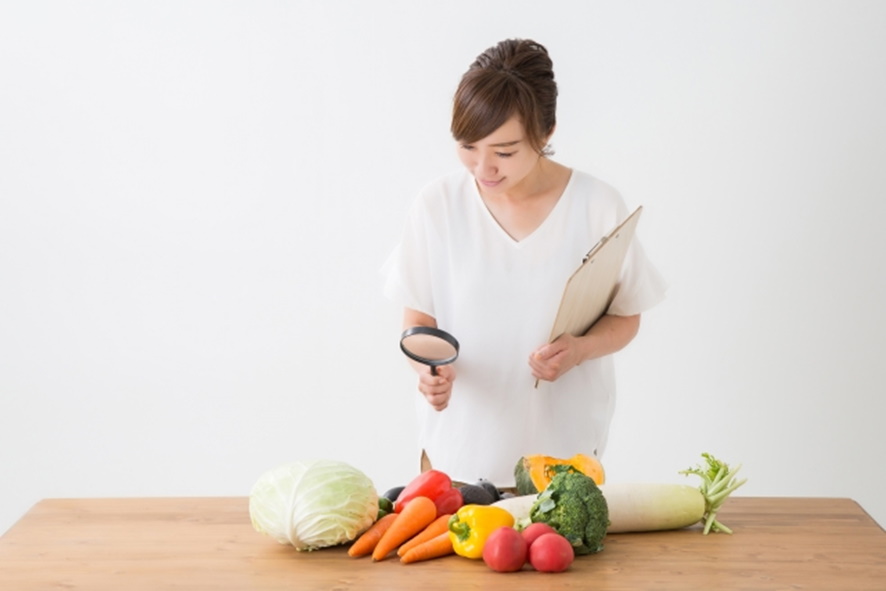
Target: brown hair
{"type": "Point", "coordinates": [515, 77]}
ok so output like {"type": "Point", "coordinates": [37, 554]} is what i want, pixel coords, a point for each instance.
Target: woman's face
{"type": "Point", "coordinates": [501, 160]}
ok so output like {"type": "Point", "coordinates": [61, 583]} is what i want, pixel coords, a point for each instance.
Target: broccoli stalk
{"type": "Point", "coordinates": [718, 482]}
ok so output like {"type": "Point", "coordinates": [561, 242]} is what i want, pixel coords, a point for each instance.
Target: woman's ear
{"type": "Point", "coordinates": [547, 150]}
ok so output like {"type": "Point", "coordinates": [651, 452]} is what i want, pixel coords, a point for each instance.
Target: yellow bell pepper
{"type": "Point", "coordinates": [471, 525]}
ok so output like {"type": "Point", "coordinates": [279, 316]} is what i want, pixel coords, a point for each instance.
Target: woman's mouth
{"type": "Point", "coordinates": [490, 183]}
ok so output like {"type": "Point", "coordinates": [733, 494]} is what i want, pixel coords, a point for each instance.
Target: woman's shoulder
{"type": "Point", "coordinates": [453, 182]}
{"type": "Point", "coordinates": [445, 190]}
{"type": "Point", "coordinates": [588, 184]}
{"type": "Point", "coordinates": [597, 201]}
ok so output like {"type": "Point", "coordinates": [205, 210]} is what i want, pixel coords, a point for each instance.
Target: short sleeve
{"type": "Point", "coordinates": [406, 272]}
{"type": "Point", "coordinates": [640, 287]}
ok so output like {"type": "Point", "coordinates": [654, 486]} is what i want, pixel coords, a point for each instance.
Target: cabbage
{"type": "Point", "coordinates": [313, 504]}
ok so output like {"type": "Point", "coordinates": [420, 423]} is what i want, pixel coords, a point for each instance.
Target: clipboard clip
{"type": "Point", "coordinates": [595, 247]}
{"type": "Point", "coordinates": [598, 246]}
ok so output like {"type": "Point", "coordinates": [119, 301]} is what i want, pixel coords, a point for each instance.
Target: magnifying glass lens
{"type": "Point", "coordinates": [431, 346]}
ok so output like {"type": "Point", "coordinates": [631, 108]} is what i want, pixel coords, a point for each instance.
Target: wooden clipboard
{"type": "Point", "coordinates": [590, 289]}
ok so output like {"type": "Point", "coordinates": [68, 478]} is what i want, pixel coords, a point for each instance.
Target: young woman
{"type": "Point", "coordinates": [486, 254]}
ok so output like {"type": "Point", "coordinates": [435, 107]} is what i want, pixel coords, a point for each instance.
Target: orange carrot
{"type": "Point", "coordinates": [367, 541]}
{"type": "Point", "coordinates": [437, 527]}
{"type": "Point", "coordinates": [440, 545]}
{"type": "Point", "coordinates": [414, 517]}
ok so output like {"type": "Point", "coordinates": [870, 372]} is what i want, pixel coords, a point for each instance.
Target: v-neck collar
{"type": "Point", "coordinates": [539, 229]}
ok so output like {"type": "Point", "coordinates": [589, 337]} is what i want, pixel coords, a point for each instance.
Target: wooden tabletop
{"type": "Point", "coordinates": [209, 543]}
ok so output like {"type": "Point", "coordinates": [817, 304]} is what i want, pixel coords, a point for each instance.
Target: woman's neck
{"type": "Point", "coordinates": [521, 211]}
{"type": "Point", "coordinates": [545, 178]}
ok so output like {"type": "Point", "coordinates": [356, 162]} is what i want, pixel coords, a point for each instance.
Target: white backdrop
{"type": "Point", "coordinates": [195, 199]}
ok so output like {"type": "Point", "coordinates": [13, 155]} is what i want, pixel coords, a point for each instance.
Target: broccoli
{"type": "Point", "coordinates": [574, 506]}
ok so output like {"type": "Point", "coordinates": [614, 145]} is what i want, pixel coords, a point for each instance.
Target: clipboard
{"type": "Point", "coordinates": [590, 289]}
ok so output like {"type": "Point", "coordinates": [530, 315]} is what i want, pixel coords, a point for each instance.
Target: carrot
{"type": "Point", "coordinates": [440, 545]}
{"type": "Point", "coordinates": [437, 527]}
{"type": "Point", "coordinates": [414, 517]}
{"type": "Point", "coordinates": [367, 541]}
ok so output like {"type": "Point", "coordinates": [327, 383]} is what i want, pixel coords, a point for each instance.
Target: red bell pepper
{"type": "Point", "coordinates": [434, 485]}
{"type": "Point", "coordinates": [449, 502]}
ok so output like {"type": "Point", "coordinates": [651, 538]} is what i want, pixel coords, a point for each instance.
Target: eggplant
{"type": "Point", "coordinates": [393, 493]}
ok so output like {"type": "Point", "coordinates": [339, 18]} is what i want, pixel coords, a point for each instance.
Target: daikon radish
{"type": "Point", "coordinates": [518, 506]}
{"type": "Point", "coordinates": [638, 507]}
{"type": "Point", "coordinates": [651, 506]}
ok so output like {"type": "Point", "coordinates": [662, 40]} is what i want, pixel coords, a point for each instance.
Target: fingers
{"type": "Point", "coordinates": [437, 389]}
{"type": "Point", "coordinates": [548, 362]}
{"type": "Point", "coordinates": [547, 372]}
{"type": "Point", "coordinates": [550, 350]}
{"type": "Point", "coordinates": [438, 401]}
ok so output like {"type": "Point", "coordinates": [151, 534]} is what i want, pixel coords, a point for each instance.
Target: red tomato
{"type": "Point", "coordinates": [533, 531]}
{"type": "Point", "coordinates": [551, 553]}
{"type": "Point", "coordinates": [505, 550]}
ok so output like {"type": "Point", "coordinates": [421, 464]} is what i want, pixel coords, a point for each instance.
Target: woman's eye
{"type": "Point", "coordinates": [467, 147]}
{"type": "Point", "coordinates": [504, 154]}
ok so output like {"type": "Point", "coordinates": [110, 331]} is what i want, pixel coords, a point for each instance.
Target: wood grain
{"type": "Point", "coordinates": [209, 543]}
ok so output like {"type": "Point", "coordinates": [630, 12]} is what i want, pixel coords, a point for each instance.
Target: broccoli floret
{"type": "Point", "coordinates": [574, 506]}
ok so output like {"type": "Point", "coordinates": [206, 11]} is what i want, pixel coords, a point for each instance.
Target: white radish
{"type": "Point", "coordinates": [639, 507]}
{"type": "Point", "coordinates": [635, 507]}
{"type": "Point", "coordinates": [519, 507]}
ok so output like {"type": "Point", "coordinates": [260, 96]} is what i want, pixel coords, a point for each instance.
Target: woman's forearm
{"type": "Point", "coordinates": [608, 335]}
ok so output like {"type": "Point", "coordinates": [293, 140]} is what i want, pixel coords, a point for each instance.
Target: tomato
{"type": "Point", "coordinates": [533, 531]}
{"type": "Point", "coordinates": [505, 550]}
{"type": "Point", "coordinates": [551, 553]}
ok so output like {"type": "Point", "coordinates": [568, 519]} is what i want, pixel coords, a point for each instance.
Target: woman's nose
{"type": "Point", "coordinates": [485, 164]}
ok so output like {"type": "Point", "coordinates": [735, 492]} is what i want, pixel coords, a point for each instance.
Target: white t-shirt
{"type": "Point", "coordinates": [499, 298]}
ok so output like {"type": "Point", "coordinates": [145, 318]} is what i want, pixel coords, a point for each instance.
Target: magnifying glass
{"type": "Point", "coordinates": [431, 346]}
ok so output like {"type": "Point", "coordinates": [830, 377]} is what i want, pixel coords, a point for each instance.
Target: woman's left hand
{"type": "Point", "coordinates": [607, 335]}
{"type": "Point", "coordinates": [552, 360]}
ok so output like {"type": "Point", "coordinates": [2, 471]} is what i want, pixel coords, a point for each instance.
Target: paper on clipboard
{"type": "Point", "coordinates": [590, 289]}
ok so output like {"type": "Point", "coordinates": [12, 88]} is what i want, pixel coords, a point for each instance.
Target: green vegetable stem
{"type": "Point", "coordinates": [718, 482]}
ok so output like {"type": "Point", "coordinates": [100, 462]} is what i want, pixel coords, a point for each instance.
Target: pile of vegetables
{"type": "Point", "coordinates": [323, 503]}
{"type": "Point", "coordinates": [419, 532]}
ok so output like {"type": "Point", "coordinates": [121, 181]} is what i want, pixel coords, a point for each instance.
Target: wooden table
{"type": "Point", "coordinates": [209, 543]}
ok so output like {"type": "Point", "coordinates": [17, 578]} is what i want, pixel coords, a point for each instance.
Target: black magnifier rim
{"type": "Point", "coordinates": [433, 332]}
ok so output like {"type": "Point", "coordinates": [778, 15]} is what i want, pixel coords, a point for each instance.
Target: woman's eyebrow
{"type": "Point", "coordinates": [505, 144]}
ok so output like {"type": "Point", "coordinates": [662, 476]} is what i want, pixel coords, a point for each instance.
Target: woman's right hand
{"type": "Point", "coordinates": [437, 389]}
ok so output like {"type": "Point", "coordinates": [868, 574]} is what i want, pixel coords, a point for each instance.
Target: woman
{"type": "Point", "coordinates": [486, 254]}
